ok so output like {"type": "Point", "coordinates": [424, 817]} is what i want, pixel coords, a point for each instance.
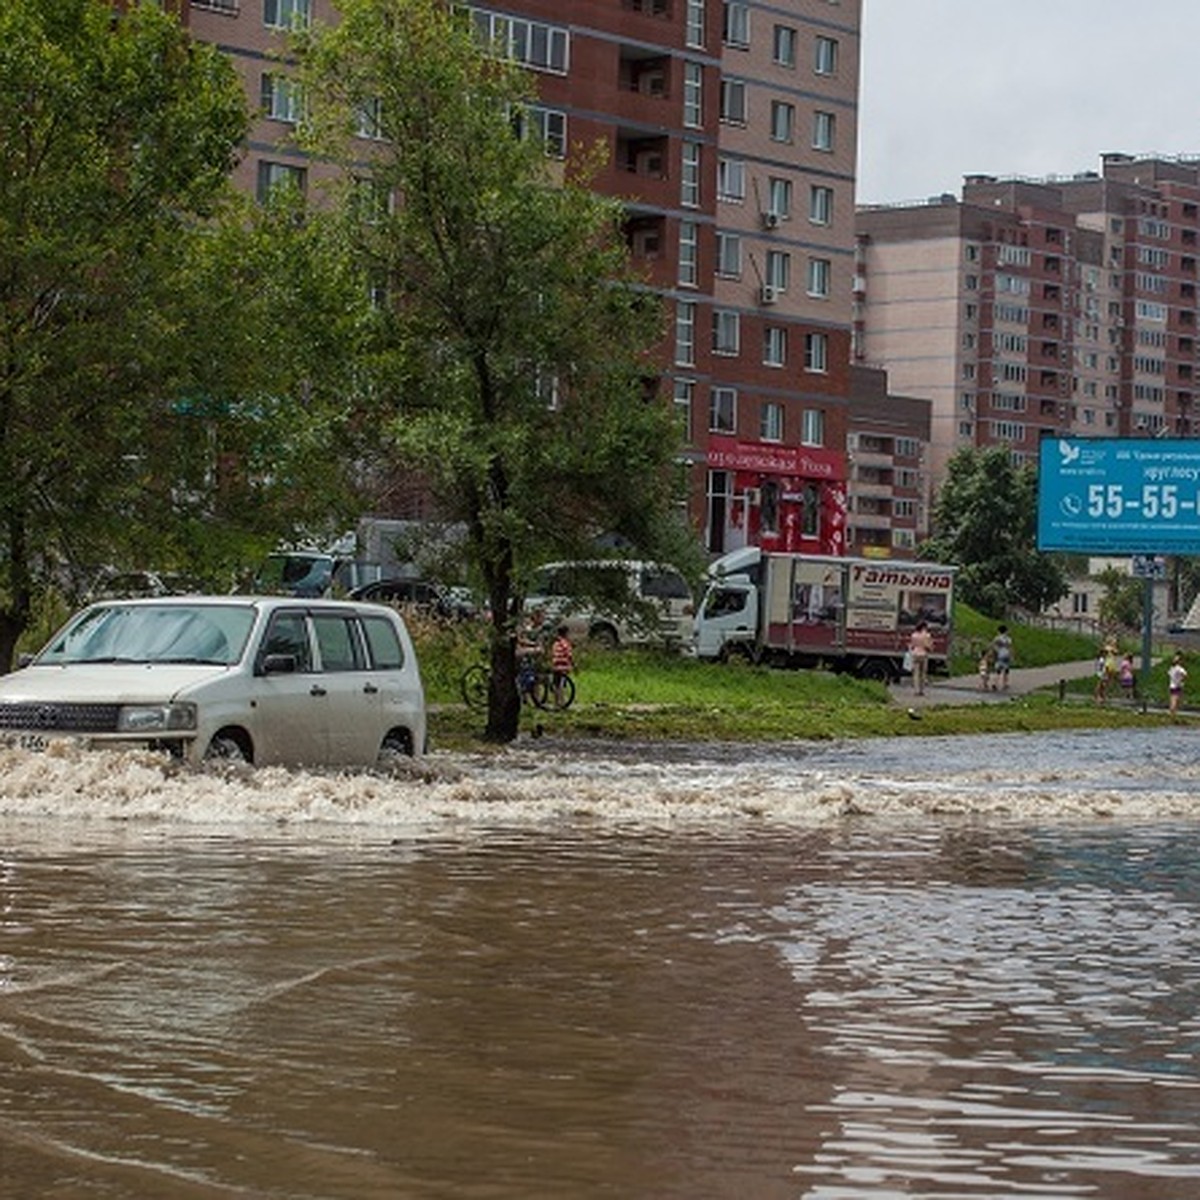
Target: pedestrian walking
{"type": "Point", "coordinates": [919, 646]}
{"type": "Point", "coordinates": [1002, 652]}
{"type": "Point", "coordinates": [1176, 677]}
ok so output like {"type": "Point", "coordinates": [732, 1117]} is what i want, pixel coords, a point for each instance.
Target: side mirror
{"type": "Point", "coordinates": [279, 664]}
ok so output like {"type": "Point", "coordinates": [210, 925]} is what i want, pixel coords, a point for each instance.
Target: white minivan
{"type": "Point", "coordinates": [262, 680]}
{"type": "Point", "coordinates": [614, 602]}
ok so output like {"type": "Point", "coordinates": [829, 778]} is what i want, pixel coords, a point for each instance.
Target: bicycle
{"type": "Point", "coordinates": [536, 684]}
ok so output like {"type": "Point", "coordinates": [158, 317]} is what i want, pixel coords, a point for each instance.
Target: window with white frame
{"type": "Point", "coordinates": [816, 352]}
{"type": "Point", "coordinates": [287, 14]}
{"type": "Point", "coordinates": [779, 269]}
{"type": "Point", "coordinates": [783, 121]}
{"type": "Point", "coordinates": [737, 24]}
{"type": "Point", "coordinates": [729, 254]}
{"type": "Point", "coordinates": [820, 270]}
{"type": "Point", "coordinates": [545, 125]}
{"type": "Point", "coordinates": [368, 119]}
{"type": "Point", "coordinates": [531, 43]}
{"type": "Point", "coordinates": [685, 394]}
{"type": "Point", "coordinates": [779, 197]}
{"type": "Point", "coordinates": [775, 346]}
{"type": "Point", "coordinates": [282, 98]}
{"type": "Point", "coordinates": [770, 421]}
{"type": "Point", "coordinates": [783, 46]}
{"type": "Point", "coordinates": [689, 239]}
{"type": "Point", "coordinates": [812, 427]}
{"type": "Point", "coordinates": [689, 179]}
{"type": "Point", "coordinates": [694, 24]}
{"type": "Point", "coordinates": [727, 331]}
{"type": "Point", "coordinates": [823, 131]}
{"type": "Point", "coordinates": [685, 333]}
{"type": "Point", "coordinates": [273, 176]}
{"type": "Point", "coordinates": [693, 95]}
{"type": "Point", "coordinates": [820, 204]}
{"type": "Point", "coordinates": [722, 410]}
{"type": "Point", "coordinates": [825, 56]}
{"type": "Point", "coordinates": [731, 179]}
{"type": "Point", "coordinates": [733, 101]}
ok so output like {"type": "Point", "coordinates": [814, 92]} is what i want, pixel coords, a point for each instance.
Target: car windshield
{"type": "Point", "coordinates": [154, 633]}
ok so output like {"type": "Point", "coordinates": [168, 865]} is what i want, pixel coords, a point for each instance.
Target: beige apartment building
{"type": "Point", "coordinates": [1034, 308]}
{"type": "Point", "coordinates": [731, 134]}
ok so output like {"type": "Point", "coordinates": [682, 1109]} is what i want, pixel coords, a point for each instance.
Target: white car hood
{"type": "Point", "coordinates": [104, 683]}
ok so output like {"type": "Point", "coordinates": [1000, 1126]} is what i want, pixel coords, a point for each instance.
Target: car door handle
{"type": "Point", "coordinates": [316, 690]}
{"type": "Point", "coordinates": [370, 689]}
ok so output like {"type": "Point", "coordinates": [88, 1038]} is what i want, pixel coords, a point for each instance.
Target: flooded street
{"type": "Point", "coordinates": [960, 968]}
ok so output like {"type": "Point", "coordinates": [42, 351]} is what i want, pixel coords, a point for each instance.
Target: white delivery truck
{"type": "Point", "coordinates": [806, 610]}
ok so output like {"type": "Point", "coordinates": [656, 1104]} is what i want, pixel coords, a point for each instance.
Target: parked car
{"type": "Point", "coordinates": [258, 679]}
{"type": "Point", "coordinates": [123, 585]}
{"type": "Point", "coordinates": [431, 599]}
{"type": "Point", "coordinates": [613, 602]}
{"type": "Point", "coordinates": [312, 573]}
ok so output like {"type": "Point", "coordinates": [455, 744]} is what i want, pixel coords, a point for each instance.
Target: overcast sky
{"type": "Point", "coordinates": [1023, 87]}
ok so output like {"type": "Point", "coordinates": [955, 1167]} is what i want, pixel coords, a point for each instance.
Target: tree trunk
{"type": "Point", "coordinates": [504, 701]}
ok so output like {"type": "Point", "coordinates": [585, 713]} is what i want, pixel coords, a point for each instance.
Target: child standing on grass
{"type": "Point", "coordinates": [985, 670]}
{"type": "Point", "coordinates": [1176, 676]}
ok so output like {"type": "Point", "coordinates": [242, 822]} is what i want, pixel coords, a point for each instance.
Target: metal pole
{"type": "Point", "coordinates": [1147, 623]}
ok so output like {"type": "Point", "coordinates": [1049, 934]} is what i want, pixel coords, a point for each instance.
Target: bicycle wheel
{"type": "Point", "coordinates": [474, 685]}
{"type": "Point", "coordinates": [554, 691]}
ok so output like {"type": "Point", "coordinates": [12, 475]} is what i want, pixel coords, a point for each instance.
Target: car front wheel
{"type": "Point", "coordinates": [229, 745]}
{"type": "Point", "coordinates": [396, 748]}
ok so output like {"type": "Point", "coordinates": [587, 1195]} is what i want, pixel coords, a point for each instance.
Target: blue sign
{"type": "Point", "coordinates": [1119, 495]}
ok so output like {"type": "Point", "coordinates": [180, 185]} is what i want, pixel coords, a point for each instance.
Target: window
{"type": "Point", "coordinates": [825, 57]}
{"type": "Point", "coordinates": [775, 346]}
{"type": "Point", "coordinates": [820, 204]}
{"type": "Point", "coordinates": [368, 119]}
{"type": "Point", "coordinates": [287, 14]}
{"type": "Point", "coordinates": [824, 125]}
{"type": "Point", "coordinates": [816, 352]}
{"type": "Point", "coordinates": [688, 245]}
{"type": "Point", "coordinates": [812, 423]}
{"type": "Point", "coordinates": [737, 24]}
{"type": "Point", "coordinates": [689, 181]}
{"type": "Point", "coordinates": [282, 98]}
{"type": "Point", "coordinates": [273, 176]}
{"type": "Point", "coordinates": [387, 654]}
{"type": "Point", "coordinates": [685, 393]}
{"type": "Point", "coordinates": [288, 634]}
{"type": "Point", "coordinates": [819, 272]}
{"type": "Point", "coordinates": [694, 31]}
{"type": "Point", "coordinates": [722, 410]}
{"type": "Point", "coordinates": [731, 179]}
{"type": "Point", "coordinates": [729, 255]}
{"type": "Point", "coordinates": [779, 269]}
{"type": "Point", "coordinates": [531, 43]}
{"type": "Point", "coordinates": [784, 45]}
{"type": "Point", "coordinates": [779, 196]}
{"type": "Point", "coordinates": [693, 95]}
{"type": "Point", "coordinates": [685, 333]}
{"type": "Point", "coordinates": [770, 422]}
{"type": "Point", "coordinates": [727, 331]}
{"type": "Point", "coordinates": [337, 644]}
{"type": "Point", "coordinates": [733, 101]}
{"type": "Point", "coordinates": [546, 125]}
{"type": "Point", "coordinates": [783, 121]}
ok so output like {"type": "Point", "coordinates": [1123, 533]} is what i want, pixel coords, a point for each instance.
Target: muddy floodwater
{"type": "Point", "coordinates": [962, 968]}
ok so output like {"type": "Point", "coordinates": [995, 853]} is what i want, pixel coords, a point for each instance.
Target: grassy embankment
{"type": "Point", "coordinates": [642, 695]}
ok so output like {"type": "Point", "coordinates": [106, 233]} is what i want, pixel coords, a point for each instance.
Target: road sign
{"type": "Point", "coordinates": [1119, 495]}
{"type": "Point", "coordinates": [1148, 566]}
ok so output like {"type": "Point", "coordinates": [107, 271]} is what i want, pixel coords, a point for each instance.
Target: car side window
{"type": "Point", "coordinates": [288, 634]}
{"type": "Point", "coordinates": [336, 641]}
{"type": "Point", "coordinates": [387, 653]}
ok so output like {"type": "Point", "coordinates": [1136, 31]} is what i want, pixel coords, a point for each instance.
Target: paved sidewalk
{"type": "Point", "coordinates": [965, 689]}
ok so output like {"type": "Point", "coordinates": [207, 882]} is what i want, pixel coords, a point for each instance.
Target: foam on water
{"type": "Point", "coordinates": [1140, 775]}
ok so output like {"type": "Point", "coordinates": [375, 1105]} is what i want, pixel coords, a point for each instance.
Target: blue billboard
{"type": "Point", "coordinates": [1119, 495]}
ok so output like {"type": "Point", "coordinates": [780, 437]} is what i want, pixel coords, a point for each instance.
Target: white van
{"type": "Point", "coordinates": [614, 602]}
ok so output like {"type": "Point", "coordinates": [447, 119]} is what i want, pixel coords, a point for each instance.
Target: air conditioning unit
{"type": "Point", "coordinates": [770, 220]}
{"type": "Point", "coordinates": [752, 496]}
{"type": "Point", "coordinates": [767, 294]}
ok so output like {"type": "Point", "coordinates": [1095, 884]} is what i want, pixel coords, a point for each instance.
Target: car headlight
{"type": "Point", "coordinates": [156, 718]}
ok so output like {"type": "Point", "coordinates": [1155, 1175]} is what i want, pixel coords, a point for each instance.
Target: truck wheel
{"type": "Point", "coordinates": [878, 669]}
{"type": "Point", "coordinates": [604, 636]}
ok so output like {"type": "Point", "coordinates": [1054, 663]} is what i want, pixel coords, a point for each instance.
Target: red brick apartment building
{"type": "Point", "coordinates": [1037, 308]}
{"type": "Point", "coordinates": [731, 131]}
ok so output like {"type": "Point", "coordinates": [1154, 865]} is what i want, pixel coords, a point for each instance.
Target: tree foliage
{"type": "Point", "coordinates": [509, 362]}
{"type": "Point", "coordinates": [143, 317]}
{"type": "Point", "coordinates": [985, 522]}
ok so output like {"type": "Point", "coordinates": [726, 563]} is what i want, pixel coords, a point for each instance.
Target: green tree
{"type": "Point", "coordinates": [510, 364]}
{"type": "Point", "coordinates": [1121, 604]}
{"type": "Point", "coordinates": [985, 522]}
{"type": "Point", "coordinates": [154, 337]}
